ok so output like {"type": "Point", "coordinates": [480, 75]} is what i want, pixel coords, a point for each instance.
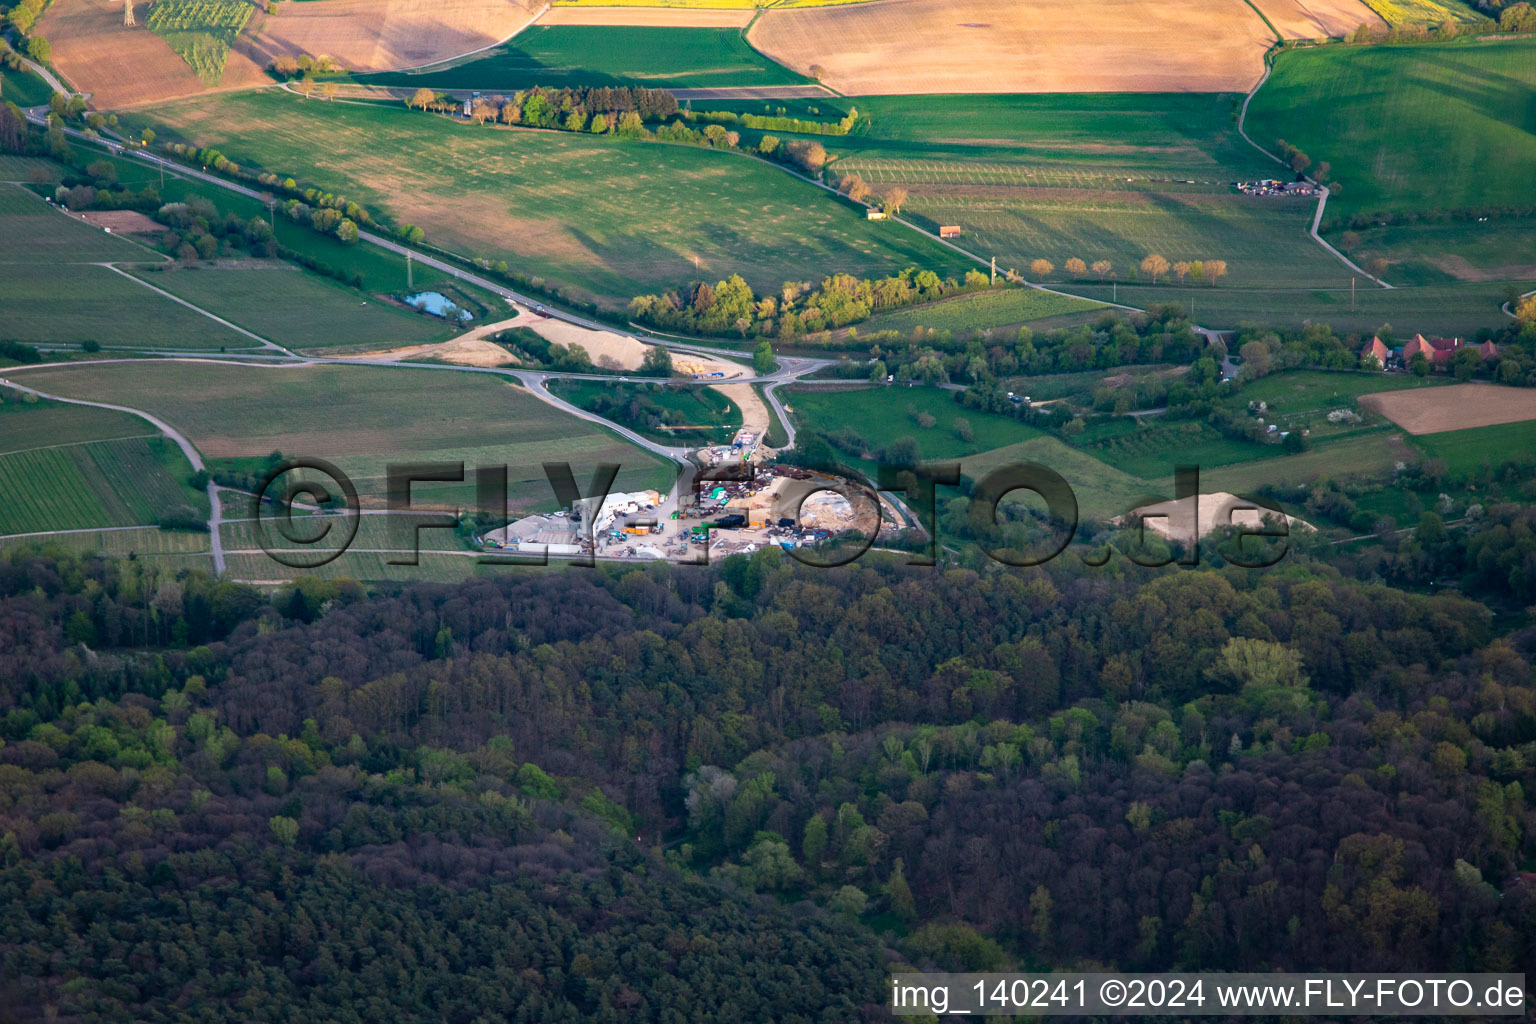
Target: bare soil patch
{"type": "Point", "coordinates": [1002, 46]}
{"type": "Point", "coordinates": [645, 17]}
{"type": "Point", "coordinates": [1459, 267]}
{"type": "Point", "coordinates": [384, 35]}
{"type": "Point", "coordinates": [121, 66]}
{"type": "Point", "coordinates": [1318, 19]}
{"type": "Point", "coordinates": [1214, 511]}
{"type": "Point", "coordinates": [123, 222]}
{"type": "Point", "coordinates": [1457, 407]}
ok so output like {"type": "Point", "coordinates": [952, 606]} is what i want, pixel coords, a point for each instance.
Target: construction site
{"type": "Point", "coordinates": [768, 506]}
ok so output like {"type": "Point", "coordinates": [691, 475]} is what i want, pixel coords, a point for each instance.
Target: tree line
{"type": "Point", "coordinates": [731, 306]}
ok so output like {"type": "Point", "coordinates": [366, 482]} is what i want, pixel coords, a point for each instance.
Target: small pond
{"type": "Point", "coordinates": [438, 305]}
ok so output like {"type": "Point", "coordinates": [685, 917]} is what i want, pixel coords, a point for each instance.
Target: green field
{"type": "Point", "coordinates": [696, 406]}
{"type": "Point", "coordinates": [1091, 138]}
{"type": "Point", "coordinates": [608, 217]}
{"type": "Point", "coordinates": [1411, 127]}
{"type": "Point", "coordinates": [24, 88]}
{"type": "Point", "coordinates": [200, 31]}
{"type": "Point", "coordinates": [1298, 391]}
{"type": "Point", "coordinates": [172, 547]}
{"type": "Point", "coordinates": [363, 419]}
{"type": "Point", "coordinates": [55, 305]}
{"type": "Point", "coordinates": [381, 270]}
{"type": "Point", "coordinates": [1098, 177]}
{"type": "Point", "coordinates": [33, 234]}
{"type": "Point", "coordinates": [880, 415]}
{"type": "Point", "coordinates": [980, 310]}
{"type": "Point", "coordinates": [364, 565]}
{"type": "Point", "coordinates": [1102, 491]}
{"type": "Point", "coordinates": [300, 310]}
{"type": "Point", "coordinates": [1456, 251]}
{"type": "Point", "coordinates": [1465, 451]}
{"type": "Point", "coordinates": [65, 468]}
{"type": "Point", "coordinates": [1431, 309]}
{"type": "Point", "coordinates": [593, 55]}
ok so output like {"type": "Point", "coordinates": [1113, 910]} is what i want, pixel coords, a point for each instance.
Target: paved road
{"type": "Point", "coordinates": [216, 512]}
{"type": "Point", "coordinates": [1322, 198]}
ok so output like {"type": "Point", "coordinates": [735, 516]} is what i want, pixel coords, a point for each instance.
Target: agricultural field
{"type": "Point", "coordinates": [1102, 491]}
{"type": "Point", "coordinates": [384, 35]}
{"type": "Point", "coordinates": [368, 566]}
{"type": "Point", "coordinates": [123, 67]}
{"type": "Point", "coordinates": [34, 234]}
{"type": "Point", "coordinates": [103, 306]}
{"type": "Point", "coordinates": [164, 548]}
{"type": "Point", "coordinates": [1455, 408]}
{"type": "Point", "coordinates": [23, 88]}
{"type": "Point", "coordinates": [1295, 19]}
{"type": "Point", "coordinates": [1451, 252]}
{"type": "Point", "coordinates": [382, 271]}
{"type": "Point", "coordinates": [713, 417]}
{"type": "Point", "coordinates": [1366, 456]}
{"type": "Point", "coordinates": [562, 55]}
{"type": "Point", "coordinates": [1468, 451]}
{"type": "Point", "coordinates": [299, 310]}
{"type": "Point", "coordinates": [609, 218]}
{"type": "Point", "coordinates": [16, 169]}
{"type": "Point", "coordinates": [880, 415]}
{"type": "Point", "coordinates": [201, 31]}
{"type": "Point", "coordinates": [1424, 127]}
{"type": "Point", "coordinates": [363, 418]}
{"type": "Point", "coordinates": [980, 310]}
{"type": "Point", "coordinates": [1301, 391]}
{"type": "Point", "coordinates": [1429, 309]}
{"type": "Point", "coordinates": [1097, 177]}
{"type": "Point", "coordinates": [1428, 13]}
{"type": "Point", "coordinates": [905, 46]}
{"type": "Point", "coordinates": [690, 16]}
{"type": "Point", "coordinates": [67, 468]}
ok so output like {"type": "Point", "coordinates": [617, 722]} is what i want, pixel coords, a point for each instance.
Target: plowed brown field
{"type": "Point", "coordinates": [383, 35]}
{"type": "Point", "coordinates": [1006, 46]}
{"type": "Point", "coordinates": [1457, 407]}
{"type": "Point", "coordinates": [124, 67]}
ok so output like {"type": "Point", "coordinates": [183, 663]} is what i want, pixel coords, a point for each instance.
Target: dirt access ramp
{"type": "Point", "coordinates": [384, 35]}
{"type": "Point", "coordinates": [1455, 407]}
{"type": "Point", "coordinates": [126, 66]}
{"type": "Point", "coordinates": [892, 47]}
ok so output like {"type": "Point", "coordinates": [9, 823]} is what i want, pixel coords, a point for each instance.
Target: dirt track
{"type": "Point", "coordinates": [1457, 407]}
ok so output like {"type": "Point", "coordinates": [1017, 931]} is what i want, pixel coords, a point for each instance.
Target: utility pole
{"type": "Point", "coordinates": [994, 270]}
{"type": "Point", "coordinates": [1351, 293]}
{"type": "Point", "coordinates": [408, 285]}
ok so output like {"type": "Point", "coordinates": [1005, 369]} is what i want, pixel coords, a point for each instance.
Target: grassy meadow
{"type": "Point", "coordinates": [1420, 127]}
{"type": "Point", "coordinates": [33, 234]}
{"type": "Point", "coordinates": [609, 218]}
{"type": "Point", "coordinates": [598, 55]}
{"type": "Point", "coordinates": [980, 310]}
{"type": "Point", "coordinates": [363, 418]}
{"type": "Point", "coordinates": [715, 417]}
{"type": "Point", "coordinates": [299, 310]}
{"type": "Point", "coordinates": [24, 88]}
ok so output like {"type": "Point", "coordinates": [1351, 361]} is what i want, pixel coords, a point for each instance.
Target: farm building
{"type": "Point", "coordinates": [1375, 349]}
{"type": "Point", "coordinates": [1439, 351]}
{"type": "Point", "coordinates": [874, 214]}
{"type": "Point", "coordinates": [949, 231]}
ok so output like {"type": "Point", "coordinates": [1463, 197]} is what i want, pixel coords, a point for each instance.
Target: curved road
{"type": "Point", "coordinates": [215, 510]}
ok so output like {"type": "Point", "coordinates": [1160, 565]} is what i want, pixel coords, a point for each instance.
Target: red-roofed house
{"type": "Point", "coordinates": [1374, 349]}
{"type": "Point", "coordinates": [1487, 350]}
{"type": "Point", "coordinates": [1439, 351]}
